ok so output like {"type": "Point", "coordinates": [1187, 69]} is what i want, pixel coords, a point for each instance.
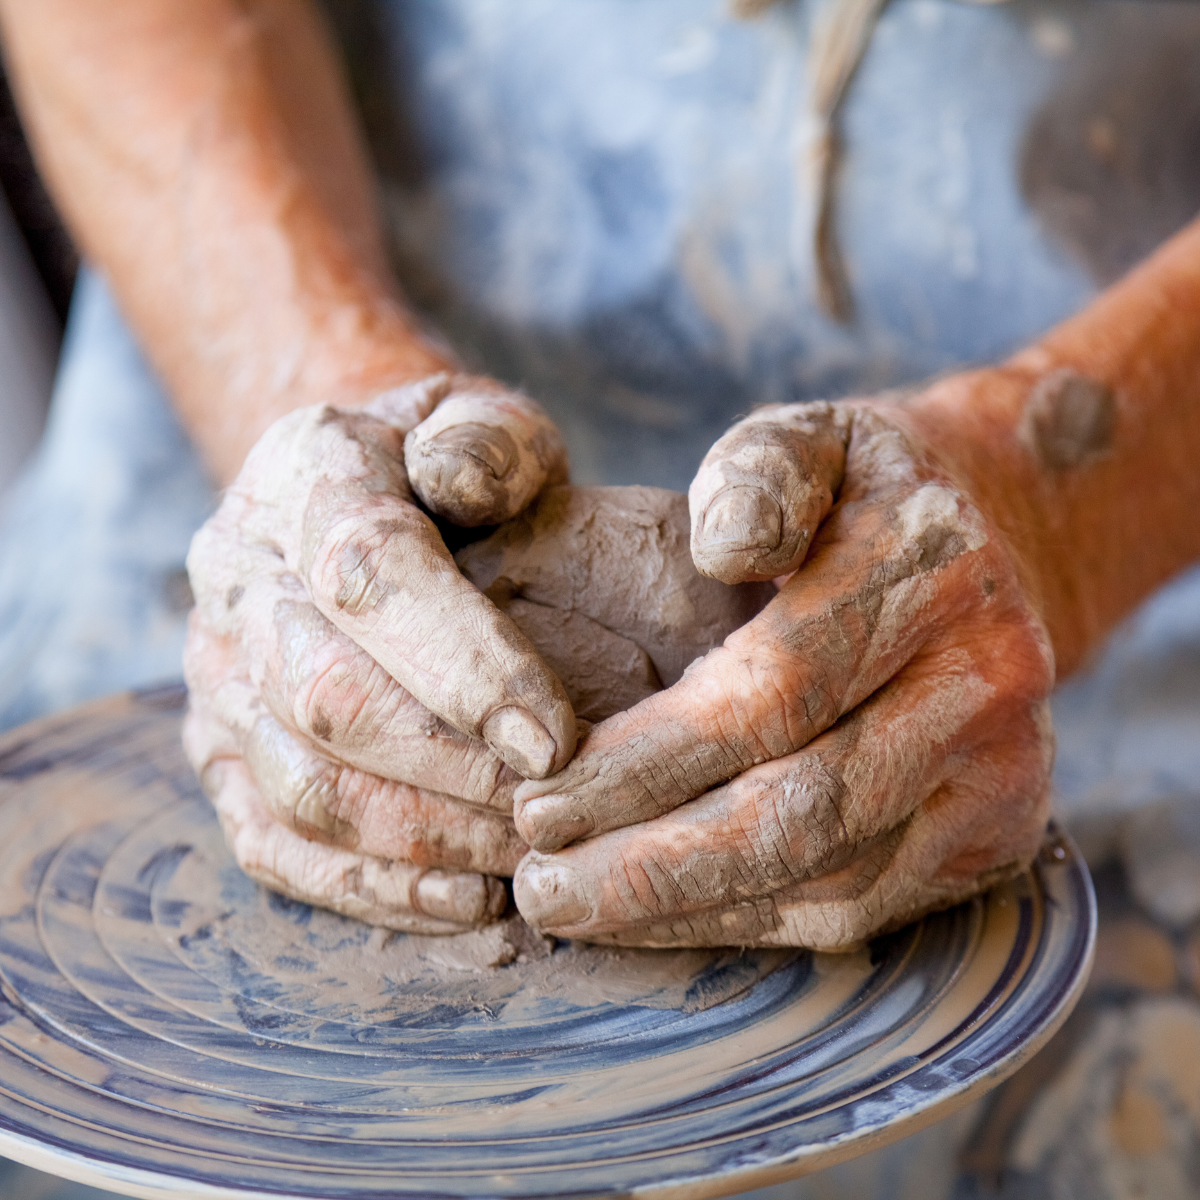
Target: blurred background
{"type": "Point", "coordinates": [38, 264]}
{"type": "Point", "coordinates": [37, 272]}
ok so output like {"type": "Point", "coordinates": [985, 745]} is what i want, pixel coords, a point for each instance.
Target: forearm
{"type": "Point", "coordinates": [206, 158]}
{"type": "Point", "coordinates": [1097, 535]}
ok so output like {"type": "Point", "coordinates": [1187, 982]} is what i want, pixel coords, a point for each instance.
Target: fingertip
{"type": "Point", "coordinates": [736, 536]}
{"type": "Point", "coordinates": [525, 743]}
{"type": "Point", "coordinates": [549, 894]}
{"type": "Point", "coordinates": [459, 896]}
{"type": "Point", "coordinates": [548, 823]}
{"type": "Point", "coordinates": [483, 454]}
{"type": "Point", "coordinates": [464, 474]}
{"type": "Point", "coordinates": [764, 488]}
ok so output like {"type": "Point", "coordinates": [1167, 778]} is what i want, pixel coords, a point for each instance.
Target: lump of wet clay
{"type": "Point", "coordinates": [601, 581]}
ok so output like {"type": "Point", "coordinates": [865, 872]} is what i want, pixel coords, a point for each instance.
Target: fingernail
{"type": "Point", "coordinates": [492, 449]}
{"type": "Point", "coordinates": [453, 896]}
{"type": "Point", "coordinates": [521, 740]}
{"type": "Point", "coordinates": [743, 516]}
{"type": "Point", "coordinates": [550, 896]}
{"type": "Point", "coordinates": [550, 822]}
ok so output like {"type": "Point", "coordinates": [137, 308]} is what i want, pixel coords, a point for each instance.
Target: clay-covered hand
{"type": "Point", "coordinates": [360, 713]}
{"type": "Point", "coordinates": [873, 745]}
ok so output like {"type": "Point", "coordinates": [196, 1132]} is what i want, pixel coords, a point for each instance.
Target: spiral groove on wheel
{"type": "Point", "coordinates": [163, 1019]}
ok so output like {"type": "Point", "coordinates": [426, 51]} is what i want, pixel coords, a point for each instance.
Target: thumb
{"type": "Point", "coordinates": [763, 489]}
{"type": "Point", "coordinates": [483, 453]}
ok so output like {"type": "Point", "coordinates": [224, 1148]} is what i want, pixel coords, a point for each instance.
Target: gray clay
{"type": "Point", "coordinates": [601, 581]}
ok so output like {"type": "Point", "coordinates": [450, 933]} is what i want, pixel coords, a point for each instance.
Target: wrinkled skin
{"type": "Point", "coordinates": [360, 713]}
{"type": "Point", "coordinates": [335, 784]}
{"type": "Point", "coordinates": [874, 745]}
{"type": "Point", "coordinates": [209, 164]}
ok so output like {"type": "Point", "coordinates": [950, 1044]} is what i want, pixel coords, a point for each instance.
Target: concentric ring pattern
{"type": "Point", "coordinates": [168, 1028]}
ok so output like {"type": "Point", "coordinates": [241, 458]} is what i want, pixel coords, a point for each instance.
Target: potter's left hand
{"type": "Point", "coordinates": [359, 712]}
{"type": "Point", "coordinates": [874, 745]}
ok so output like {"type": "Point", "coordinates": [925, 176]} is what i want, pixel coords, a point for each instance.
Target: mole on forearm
{"type": "Point", "coordinates": [1069, 420]}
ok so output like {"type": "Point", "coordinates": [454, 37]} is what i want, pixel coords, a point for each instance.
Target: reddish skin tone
{"type": "Point", "coordinates": [1092, 543]}
{"type": "Point", "coordinates": [207, 160]}
{"type": "Point", "coordinates": [206, 157]}
{"type": "Point", "coordinates": [1069, 552]}
{"type": "Point", "coordinates": [874, 744]}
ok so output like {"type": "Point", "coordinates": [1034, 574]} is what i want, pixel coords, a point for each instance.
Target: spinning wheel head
{"type": "Point", "coordinates": [169, 1028]}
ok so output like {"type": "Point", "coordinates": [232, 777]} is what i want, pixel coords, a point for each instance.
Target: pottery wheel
{"type": "Point", "coordinates": [168, 1028]}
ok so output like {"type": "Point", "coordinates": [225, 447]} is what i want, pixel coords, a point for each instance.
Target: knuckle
{"type": "Point", "coordinates": [1024, 750]}
{"type": "Point", "coordinates": [762, 704]}
{"type": "Point", "coordinates": [491, 782]}
{"type": "Point", "coordinates": [301, 788]}
{"type": "Point", "coordinates": [332, 701]}
{"type": "Point", "coordinates": [824, 809]}
{"type": "Point", "coordinates": [793, 827]}
{"type": "Point", "coordinates": [212, 547]}
{"type": "Point", "coordinates": [635, 889]}
{"type": "Point", "coordinates": [206, 740]}
{"type": "Point", "coordinates": [1020, 664]}
{"type": "Point", "coordinates": [319, 807]}
{"type": "Point", "coordinates": [273, 857]}
{"type": "Point", "coordinates": [207, 542]}
{"type": "Point", "coordinates": [647, 886]}
{"type": "Point", "coordinates": [257, 853]}
{"type": "Point", "coordinates": [492, 845]}
{"type": "Point", "coordinates": [346, 565]}
{"type": "Point", "coordinates": [307, 798]}
{"type": "Point", "coordinates": [346, 568]}
{"type": "Point", "coordinates": [1038, 658]}
{"type": "Point", "coordinates": [936, 525]}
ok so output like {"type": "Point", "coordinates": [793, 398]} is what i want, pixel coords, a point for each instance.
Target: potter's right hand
{"type": "Point", "coordinates": [360, 713]}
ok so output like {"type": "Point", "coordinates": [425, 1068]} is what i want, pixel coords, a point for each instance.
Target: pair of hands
{"type": "Point", "coordinates": [380, 739]}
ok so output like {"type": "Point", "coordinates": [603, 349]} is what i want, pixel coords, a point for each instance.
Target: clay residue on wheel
{"type": "Point", "coordinates": [307, 960]}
